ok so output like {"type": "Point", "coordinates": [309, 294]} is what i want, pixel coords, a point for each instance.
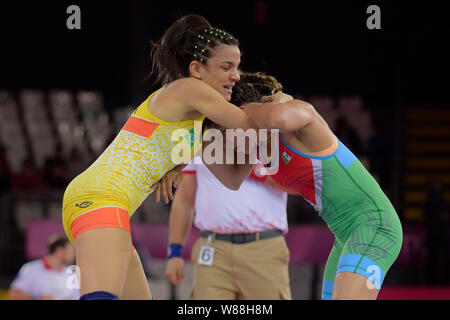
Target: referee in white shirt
{"type": "Point", "coordinates": [242, 253]}
{"type": "Point", "coordinates": [48, 278]}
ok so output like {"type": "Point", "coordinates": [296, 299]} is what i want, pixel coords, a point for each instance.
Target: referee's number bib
{"type": "Point", "coordinates": [206, 255]}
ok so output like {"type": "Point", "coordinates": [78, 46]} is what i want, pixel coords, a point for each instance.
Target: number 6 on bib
{"type": "Point", "coordinates": [206, 255]}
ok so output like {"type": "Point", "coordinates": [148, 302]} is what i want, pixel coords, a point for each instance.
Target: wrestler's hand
{"type": "Point", "coordinates": [164, 186]}
{"type": "Point", "coordinates": [174, 270]}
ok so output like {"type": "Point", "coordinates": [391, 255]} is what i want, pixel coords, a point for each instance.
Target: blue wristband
{"type": "Point", "coordinates": [174, 250]}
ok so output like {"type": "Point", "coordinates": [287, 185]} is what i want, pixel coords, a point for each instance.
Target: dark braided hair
{"type": "Point", "coordinates": [189, 38]}
{"type": "Point", "coordinates": [253, 86]}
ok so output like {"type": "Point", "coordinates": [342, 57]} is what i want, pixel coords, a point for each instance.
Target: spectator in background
{"type": "Point", "coordinates": [437, 224]}
{"type": "Point", "coordinates": [28, 178]}
{"type": "Point", "coordinates": [348, 136]}
{"type": "Point", "coordinates": [48, 278]}
{"type": "Point", "coordinates": [5, 172]}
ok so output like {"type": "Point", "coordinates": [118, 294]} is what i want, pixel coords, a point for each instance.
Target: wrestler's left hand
{"type": "Point", "coordinates": [164, 186]}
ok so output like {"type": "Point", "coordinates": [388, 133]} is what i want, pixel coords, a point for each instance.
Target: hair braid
{"type": "Point", "coordinates": [189, 38]}
{"type": "Point", "coordinates": [253, 86]}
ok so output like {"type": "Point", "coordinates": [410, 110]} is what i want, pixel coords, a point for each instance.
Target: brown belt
{"type": "Point", "coordinates": [240, 238]}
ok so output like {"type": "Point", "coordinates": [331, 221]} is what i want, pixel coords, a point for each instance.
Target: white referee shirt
{"type": "Point", "coordinates": [254, 207]}
{"type": "Point", "coordinates": [37, 278]}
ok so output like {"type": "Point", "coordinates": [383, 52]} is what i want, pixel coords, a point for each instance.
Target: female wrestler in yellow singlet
{"type": "Point", "coordinates": [198, 67]}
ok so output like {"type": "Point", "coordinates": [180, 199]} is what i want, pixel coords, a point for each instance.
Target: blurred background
{"type": "Point", "coordinates": [64, 94]}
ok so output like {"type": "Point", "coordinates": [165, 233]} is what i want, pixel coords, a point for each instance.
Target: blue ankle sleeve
{"type": "Point", "coordinates": [99, 295]}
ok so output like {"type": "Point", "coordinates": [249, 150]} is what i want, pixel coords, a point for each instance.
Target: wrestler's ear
{"type": "Point", "coordinates": [195, 69]}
